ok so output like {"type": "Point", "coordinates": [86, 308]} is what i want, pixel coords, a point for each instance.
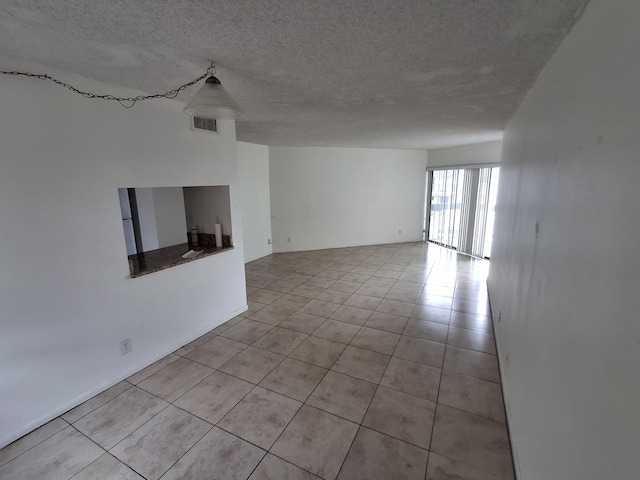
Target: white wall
{"type": "Point", "coordinates": [476, 154]}
{"type": "Point", "coordinates": [564, 270]}
{"type": "Point", "coordinates": [207, 205]}
{"type": "Point", "coordinates": [66, 299]}
{"type": "Point", "coordinates": [171, 222]}
{"type": "Point", "coordinates": [338, 197]}
{"type": "Point", "coordinates": [254, 199]}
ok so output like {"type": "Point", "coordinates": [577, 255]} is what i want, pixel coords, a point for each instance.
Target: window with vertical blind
{"type": "Point", "coordinates": [460, 208]}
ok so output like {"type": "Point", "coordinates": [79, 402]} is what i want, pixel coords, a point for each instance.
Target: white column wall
{"type": "Point", "coordinates": [340, 197]}
{"type": "Point", "coordinates": [254, 198]}
{"type": "Point", "coordinates": [66, 299]}
{"type": "Point", "coordinates": [564, 267]}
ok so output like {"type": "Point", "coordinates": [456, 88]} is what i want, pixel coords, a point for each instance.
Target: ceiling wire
{"type": "Point", "coordinates": [126, 102]}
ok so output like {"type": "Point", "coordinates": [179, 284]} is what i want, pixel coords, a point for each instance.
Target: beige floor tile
{"type": "Point", "coordinates": [342, 395]}
{"type": "Point", "coordinates": [321, 282]}
{"type": "Point", "coordinates": [274, 468]}
{"type": "Point", "coordinates": [272, 314]}
{"type": "Point", "coordinates": [470, 306]}
{"type": "Point", "coordinates": [356, 316]}
{"type": "Point", "coordinates": [253, 307]}
{"type": "Point", "coordinates": [194, 344]}
{"type": "Point", "coordinates": [282, 286]}
{"type": "Point", "coordinates": [175, 379]}
{"type": "Point", "coordinates": [360, 363]}
{"type": "Point", "coordinates": [293, 302]}
{"type": "Point", "coordinates": [252, 365]}
{"type": "Point", "coordinates": [319, 308]}
{"type": "Point", "coordinates": [380, 281]}
{"type": "Point", "coordinates": [432, 314]}
{"type": "Point", "coordinates": [442, 468]}
{"type": "Point", "coordinates": [420, 351]}
{"type": "Point", "coordinates": [116, 419]}
{"type": "Point", "coordinates": [59, 457]}
{"type": "Point", "coordinates": [386, 322]}
{"type": "Point", "coordinates": [363, 301]}
{"type": "Point", "coordinates": [394, 307]}
{"type": "Point", "coordinates": [469, 362]}
{"type": "Point", "coordinates": [107, 467]}
{"type": "Point", "coordinates": [376, 340]}
{"type": "Point", "coordinates": [280, 340]}
{"type": "Point", "coordinates": [312, 430]}
{"type": "Point", "coordinates": [375, 456]}
{"type": "Point", "coordinates": [336, 331]}
{"type": "Point", "coordinates": [264, 296]}
{"type": "Point", "coordinates": [227, 325]}
{"type": "Point", "coordinates": [258, 280]}
{"type": "Point", "coordinates": [212, 398]}
{"type": "Point", "coordinates": [403, 416]}
{"type": "Point", "coordinates": [438, 290]}
{"type": "Point", "coordinates": [247, 331]}
{"type": "Point", "coordinates": [153, 448]}
{"type": "Point", "coordinates": [472, 395]}
{"type": "Point", "coordinates": [469, 320]}
{"type": "Point", "coordinates": [218, 456]}
{"type": "Point", "coordinates": [32, 439]}
{"type": "Point", "coordinates": [416, 287]}
{"type": "Point", "coordinates": [384, 273]}
{"type": "Point", "coordinates": [472, 340]}
{"type": "Point", "coordinates": [355, 277]}
{"type": "Point", "coordinates": [294, 378]}
{"type": "Point", "coordinates": [216, 352]}
{"type": "Point", "coordinates": [260, 417]}
{"type": "Point", "coordinates": [476, 441]}
{"type": "Point", "coordinates": [436, 332]}
{"type": "Point", "coordinates": [348, 287]}
{"type": "Point", "coordinates": [435, 301]}
{"type": "Point", "coordinates": [151, 369]}
{"type": "Point", "coordinates": [334, 296]}
{"type": "Point", "coordinates": [95, 402]}
{"type": "Point", "coordinates": [414, 378]}
{"type": "Point", "coordinates": [302, 322]}
{"type": "Point", "coordinates": [318, 351]}
{"type": "Point", "coordinates": [308, 291]}
{"type": "Point", "coordinates": [298, 278]}
{"type": "Point", "coordinates": [373, 290]}
{"type": "Point", "coordinates": [330, 274]}
{"type": "Point", "coordinates": [402, 295]}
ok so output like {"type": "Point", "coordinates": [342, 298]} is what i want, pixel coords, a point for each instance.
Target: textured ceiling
{"type": "Point", "coordinates": [361, 73]}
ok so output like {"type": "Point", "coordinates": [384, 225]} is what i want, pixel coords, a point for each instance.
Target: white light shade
{"type": "Point", "coordinates": [212, 101]}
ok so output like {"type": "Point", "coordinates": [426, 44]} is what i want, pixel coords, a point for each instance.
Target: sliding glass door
{"type": "Point", "coordinates": [444, 212]}
{"type": "Point", "coordinates": [460, 208]}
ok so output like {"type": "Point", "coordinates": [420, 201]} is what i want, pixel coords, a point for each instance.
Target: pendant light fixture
{"type": "Point", "coordinates": [213, 101]}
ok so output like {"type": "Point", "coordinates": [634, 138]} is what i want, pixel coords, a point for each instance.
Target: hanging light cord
{"type": "Point", "coordinates": [124, 101]}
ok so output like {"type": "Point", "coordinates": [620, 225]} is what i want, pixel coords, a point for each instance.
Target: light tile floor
{"type": "Point", "coordinates": [373, 362]}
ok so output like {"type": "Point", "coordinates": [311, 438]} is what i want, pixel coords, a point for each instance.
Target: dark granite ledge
{"type": "Point", "coordinates": [156, 260]}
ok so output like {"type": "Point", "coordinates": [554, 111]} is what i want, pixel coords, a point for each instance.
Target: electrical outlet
{"type": "Point", "coordinates": [268, 241]}
{"type": "Point", "coordinates": [126, 346]}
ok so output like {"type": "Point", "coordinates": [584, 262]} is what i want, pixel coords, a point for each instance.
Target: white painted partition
{"type": "Point", "coordinates": [66, 298]}
{"type": "Point", "coordinates": [254, 198]}
{"type": "Point", "coordinates": [341, 197]}
{"type": "Point", "coordinates": [565, 270]}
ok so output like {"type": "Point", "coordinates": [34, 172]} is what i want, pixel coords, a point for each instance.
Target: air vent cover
{"type": "Point", "coordinates": [205, 124]}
